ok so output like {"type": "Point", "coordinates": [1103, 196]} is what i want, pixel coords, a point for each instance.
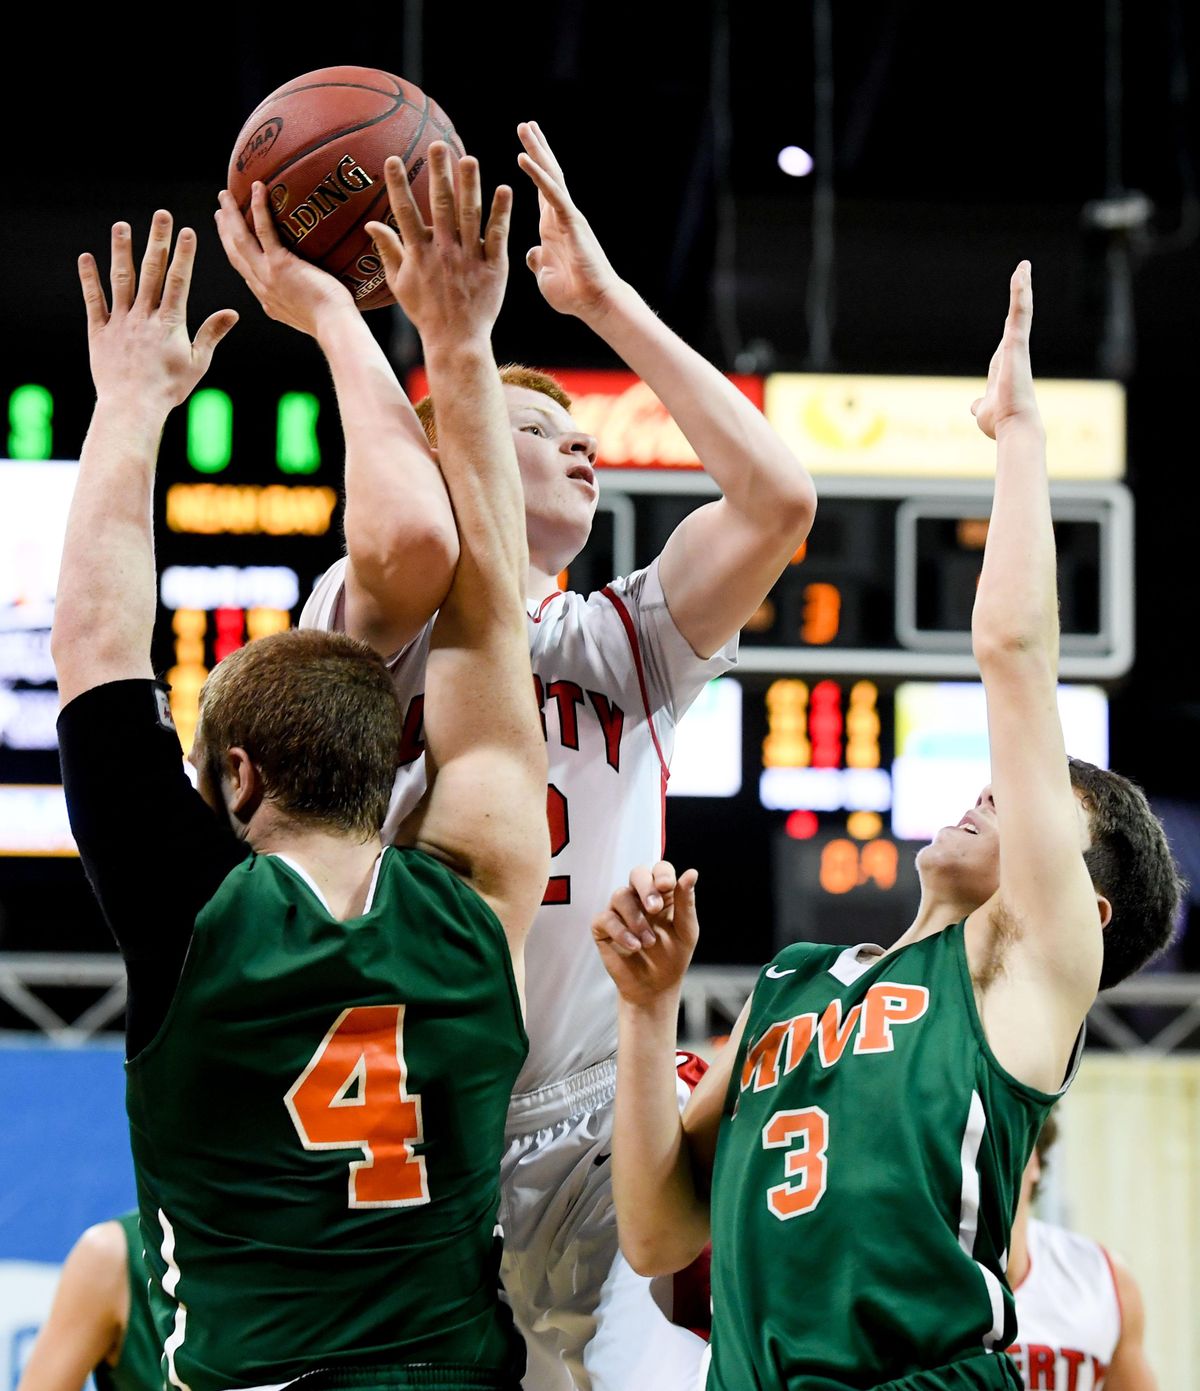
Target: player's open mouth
{"type": "Point", "coordinates": [584, 473]}
{"type": "Point", "coordinates": [966, 824]}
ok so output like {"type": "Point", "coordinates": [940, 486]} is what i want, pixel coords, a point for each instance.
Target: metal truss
{"type": "Point", "coordinates": [1156, 1013]}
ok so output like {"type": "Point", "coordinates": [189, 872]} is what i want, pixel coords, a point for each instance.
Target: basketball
{"type": "Point", "coordinates": [319, 144]}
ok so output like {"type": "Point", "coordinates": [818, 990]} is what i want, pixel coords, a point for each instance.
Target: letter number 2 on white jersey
{"type": "Point", "coordinates": [558, 890]}
{"type": "Point", "coordinates": [352, 1096]}
{"type": "Point", "coordinates": [805, 1136]}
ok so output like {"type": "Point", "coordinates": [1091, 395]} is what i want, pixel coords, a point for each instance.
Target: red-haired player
{"type": "Point", "coordinates": [614, 672]}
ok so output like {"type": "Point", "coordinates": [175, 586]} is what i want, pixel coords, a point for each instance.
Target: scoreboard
{"type": "Point", "coordinates": [854, 715]}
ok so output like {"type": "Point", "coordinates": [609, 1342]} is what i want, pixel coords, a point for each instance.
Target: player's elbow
{"type": "Point", "coordinates": [388, 552]}
{"type": "Point", "coordinates": [1027, 649]}
{"type": "Point", "coordinates": [82, 639]}
{"type": "Point", "coordinates": [657, 1253]}
{"type": "Point", "coordinates": [788, 507]}
{"type": "Point", "coordinates": [799, 506]}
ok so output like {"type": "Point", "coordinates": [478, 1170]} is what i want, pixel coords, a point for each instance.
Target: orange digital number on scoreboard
{"type": "Point", "coordinates": [844, 866]}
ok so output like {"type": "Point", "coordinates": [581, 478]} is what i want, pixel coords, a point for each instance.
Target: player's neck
{"type": "Point", "coordinates": [341, 865]}
{"type": "Point", "coordinates": [540, 583]}
{"type": "Point", "coordinates": [935, 913]}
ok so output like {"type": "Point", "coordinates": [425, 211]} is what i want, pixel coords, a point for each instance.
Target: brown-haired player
{"type": "Point", "coordinates": [855, 1151]}
{"type": "Point", "coordinates": [323, 1031]}
{"type": "Point", "coordinates": [1080, 1317]}
{"type": "Point", "coordinates": [614, 671]}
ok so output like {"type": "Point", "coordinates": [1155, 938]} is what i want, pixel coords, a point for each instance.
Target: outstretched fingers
{"type": "Point", "coordinates": [495, 239]}
{"type": "Point", "coordinates": [94, 301]}
{"type": "Point", "coordinates": [388, 245]}
{"type": "Point", "coordinates": [443, 207]}
{"type": "Point", "coordinates": [209, 334]}
{"type": "Point", "coordinates": [1020, 303]}
{"type": "Point", "coordinates": [533, 138]}
{"type": "Point", "coordinates": [404, 208]}
{"type": "Point", "coordinates": [154, 261]}
{"type": "Point", "coordinates": [551, 190]}
{"type": "Point", "coordinates": [120, 275]}
{"type": "Point", "coordinates": [178, 277]}
{"type": "Point", "coordinates": [469, 199]}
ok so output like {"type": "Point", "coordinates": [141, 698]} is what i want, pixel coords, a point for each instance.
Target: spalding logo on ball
{"type": "Point", "coordinates": [319, 144]}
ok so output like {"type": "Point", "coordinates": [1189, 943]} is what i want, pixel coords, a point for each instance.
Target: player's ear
{"type": "Point", "coordinates": [243, 784]}
{"type": "Point", "coordinates": [1105, 910]}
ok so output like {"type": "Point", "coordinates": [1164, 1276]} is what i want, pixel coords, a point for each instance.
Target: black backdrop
{"type": "Point", "coordinates": [960, 141]}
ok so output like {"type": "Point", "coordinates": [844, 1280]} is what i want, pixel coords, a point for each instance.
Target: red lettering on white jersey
{"type": "Point", "coordinates": [612, 722]}
{"type": "Point", "coordinates": [412, 736]}
{"type": "Point", "coordinates": [1068, 1312]}
{"type": "Point", "coordinates": [568, 696]}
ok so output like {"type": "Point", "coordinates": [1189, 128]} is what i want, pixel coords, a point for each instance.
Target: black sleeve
{"type": "Point", "coordinates": [153, 851]}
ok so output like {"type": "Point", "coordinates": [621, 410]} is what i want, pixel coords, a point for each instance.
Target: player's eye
{"type": "Point", "coordinates": [536, 429]}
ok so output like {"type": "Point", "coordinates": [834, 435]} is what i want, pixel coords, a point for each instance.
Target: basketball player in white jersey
{"type": "Point", "coordinates": [1079, 1309]}
{"type": "Point", "coordinates": [614, 672]}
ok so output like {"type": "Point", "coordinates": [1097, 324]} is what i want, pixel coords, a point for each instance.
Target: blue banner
{"type": "Point", "coordinates": [64, 1165]}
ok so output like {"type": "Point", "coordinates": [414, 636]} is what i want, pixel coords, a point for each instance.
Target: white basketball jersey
{"type": "Point", "coordinates": [613, 676]}
{"type": "Point", "coordinates": [1068, 1312]}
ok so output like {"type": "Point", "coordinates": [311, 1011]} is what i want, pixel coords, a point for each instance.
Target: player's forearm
{"type": "Point", "coordinates": [1016, 605]}
{"type": "Point", "coordinates": [662, 1221]}
{"type": "Point", "coordinates": [479, 463]}
{"type": "Point", "coordinates": [106, 598]}
{"type": "Point", "coordinates": [756, 472]}
{"type": "Point", "coordinates": [398, 514]}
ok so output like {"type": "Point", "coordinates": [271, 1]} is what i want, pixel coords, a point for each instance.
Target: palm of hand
{"type": "Point", "coordinates": [573, 273]}
{"type": "Point", "coordinates": [1009, 391]}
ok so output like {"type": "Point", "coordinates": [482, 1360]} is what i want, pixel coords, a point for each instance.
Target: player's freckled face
{"type": "Point", "coordinates": [557, 464]}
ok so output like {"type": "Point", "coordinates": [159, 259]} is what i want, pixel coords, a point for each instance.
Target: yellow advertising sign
{"type": "Point", "coordinates": [922, 427]}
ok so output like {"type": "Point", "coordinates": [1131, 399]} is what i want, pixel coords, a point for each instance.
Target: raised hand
{"type": "Point", "coordinates": [448, 279]}
{"type": "Point", "coordinates": [573, 273]}
{"type": "Point", "coordinates": [1009, 395]}
{"type": "Point", "coordinates": [291, 290]}
{"type": "Point", "coordinates": [140, 346]}
{"type": "Point", "coordinates": [648, 932]}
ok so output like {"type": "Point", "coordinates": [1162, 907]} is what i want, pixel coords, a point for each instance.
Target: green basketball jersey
{"type": "Point", "coordinates": [867, 1171]}
{"type": "Point", "coordinates": [137, 1366]}
{"type": "Point", "coordinates": [317, 1131]}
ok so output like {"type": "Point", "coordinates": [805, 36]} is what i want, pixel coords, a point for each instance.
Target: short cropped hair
{"type": "Point", "coordinates": [1131, 864]}
{"type": "Point", "coordinates": [318, 716]}
{"type": "Point", "coordinates": [511, 374]}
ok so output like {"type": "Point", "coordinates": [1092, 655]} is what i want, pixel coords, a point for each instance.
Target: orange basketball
{"type": "Point", "coordinates": [319, 144]}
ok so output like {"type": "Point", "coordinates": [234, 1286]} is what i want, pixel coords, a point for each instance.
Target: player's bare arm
{"type": "Point", "coordinates": [1037, 943]}
{"type": "Point", "coordinates": [87, 1320]}
{"type": "Point", "coordinates": [144, 363]}
{"type": "Point", "coordinates": [400, 533]}
{"type": "Point", "coordinates": [662, 1162]}
{"type": "Point", "coordinates": [1130, 1369]}
{"type": "Point", "coordinates": [722, 559]}
{"type": "Point", "coordinates": [486, 809]}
